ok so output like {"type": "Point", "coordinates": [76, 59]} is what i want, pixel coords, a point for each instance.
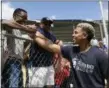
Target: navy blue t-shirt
{"type": "Point", "coordinates": [89, 68]}
{"type": "Point", "coordinates": [40, 57]}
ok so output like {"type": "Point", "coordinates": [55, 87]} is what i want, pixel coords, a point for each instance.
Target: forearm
{"type": "Point", "coordinates": [16, 25]}
{"type": "Point", "coordinates": [46, 43]}
{"type": "Point", "coordinates": [24, 28]}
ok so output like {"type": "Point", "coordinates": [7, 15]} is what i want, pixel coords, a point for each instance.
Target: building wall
{"type": "Point", "coordinates": [63, 29]}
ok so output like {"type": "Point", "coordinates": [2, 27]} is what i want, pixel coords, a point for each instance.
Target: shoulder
{"type": "Point", "coordinates": [40, 30]}
{"type": "Point", "coordinates": [97, 50]}
{"type": "Point", "coordinates": [66, 49]}
{"type": "Point", "coordinates": [53, 36]}
{"type": "Point", "coordinates": [99, 53]}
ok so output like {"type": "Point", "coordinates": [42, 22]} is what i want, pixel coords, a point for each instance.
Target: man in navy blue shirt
{"type": "Point", "coordinates": [90, 65]}
{"type": "Point", "coordinates": [40, 63]}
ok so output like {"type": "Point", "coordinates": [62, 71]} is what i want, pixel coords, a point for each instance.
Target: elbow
{"type": "Point", "coordinates": [56, 49]}
{"type": "Point", "coordinates": [52, 50]}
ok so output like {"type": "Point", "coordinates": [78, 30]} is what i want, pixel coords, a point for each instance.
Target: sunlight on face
{"type": "Point", "coordinates": [22, 17]}
{"type": "Point", "coordinates": [78, 35]}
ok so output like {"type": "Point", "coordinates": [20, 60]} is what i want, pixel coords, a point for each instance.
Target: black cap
{"type": "Point", "coordinates": [46, 21]}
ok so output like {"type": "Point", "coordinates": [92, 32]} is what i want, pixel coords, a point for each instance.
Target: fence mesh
{"type": "Point", "coordinates": [12, 57]}
{"type": "Point", "coordinates": [14, 70]}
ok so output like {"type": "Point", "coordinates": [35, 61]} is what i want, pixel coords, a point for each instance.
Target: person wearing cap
{"type": "Point", "coordinates": [40, 62]}
{"type": "Point", "coordinates": [90, 65]}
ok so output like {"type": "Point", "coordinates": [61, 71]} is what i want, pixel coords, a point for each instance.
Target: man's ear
{"type": "Point", "coordinates": [17, 18]}
{"type": "Point", "coordinates": [85, 35]}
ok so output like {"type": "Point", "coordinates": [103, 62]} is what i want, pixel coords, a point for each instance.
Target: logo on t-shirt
{"type": "Point", "coordinates": [81, 66]}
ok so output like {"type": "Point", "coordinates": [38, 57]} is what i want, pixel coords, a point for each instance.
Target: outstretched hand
{"type": "Point", "coordinates": [33, 26]}
{"type": "Point", "coordinates": [59, 42]}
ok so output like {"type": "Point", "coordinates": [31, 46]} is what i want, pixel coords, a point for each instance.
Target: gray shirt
{"type": "Point", "coordinates": [11, 46]}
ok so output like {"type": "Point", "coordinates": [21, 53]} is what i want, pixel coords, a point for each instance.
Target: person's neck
{"type": "Point", "coordinates": [84, 46]}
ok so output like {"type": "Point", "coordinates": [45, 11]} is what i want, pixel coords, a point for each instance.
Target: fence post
{"type": "Point", "coordinates": [0, 53]}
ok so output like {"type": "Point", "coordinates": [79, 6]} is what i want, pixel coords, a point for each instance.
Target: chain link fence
{"type": "Point", "coordinates": [14, 72]}
{"type": "Point", "coordinates": [13, 69]}
{"type": "Point", "coordinates": [12, 50]}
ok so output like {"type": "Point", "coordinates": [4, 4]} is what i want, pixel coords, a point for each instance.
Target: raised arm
{"type": "Point", "coordinates": [18, 26]}
{"type": "Point", "coordinates": [46, 43]}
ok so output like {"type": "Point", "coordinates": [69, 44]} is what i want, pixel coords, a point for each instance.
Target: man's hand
{"type": "Point", "coordinates": [33, 26]}
{"type": "Point", "coordinates": [59, 42]}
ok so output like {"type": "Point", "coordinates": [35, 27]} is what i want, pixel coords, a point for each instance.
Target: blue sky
{"type": "Point", "coordinates": [61, 10]}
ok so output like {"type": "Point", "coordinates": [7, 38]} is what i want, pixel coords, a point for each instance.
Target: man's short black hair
{"type": "Point", "coordinates": [89, 29]}
{"type": "Point", "coordinates": [46, 21]}
{"type": "Point", "coordinates": [18, 10]}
